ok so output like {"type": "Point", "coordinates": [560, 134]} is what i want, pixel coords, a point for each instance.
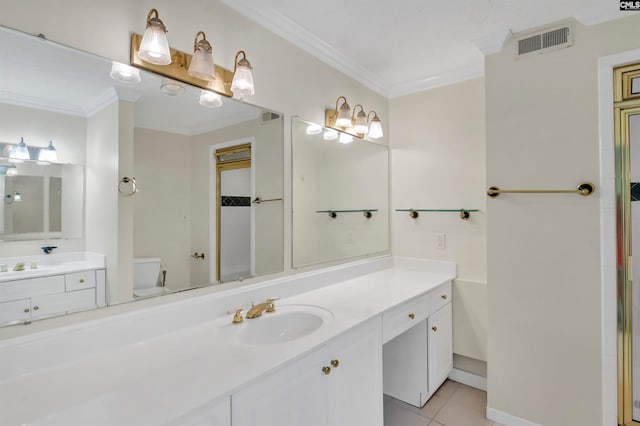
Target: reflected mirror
{"type": "Point", "coordinates": [340, 195]}
{"type": "Point", "coordinates": [161, 205]}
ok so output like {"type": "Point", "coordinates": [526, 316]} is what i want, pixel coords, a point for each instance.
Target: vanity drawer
{"type": "Point", "coordinates": [80, 280]}
{"type": "Point", "coordinates": [401, 318]}
{"type": "Point", "coordinates": [18, 310]}
{"type": "Point", "coordinates": [22, 289]}
{"type": "Point", "coordinates": [62, 303]}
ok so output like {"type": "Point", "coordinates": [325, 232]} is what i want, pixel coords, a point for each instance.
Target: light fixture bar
{"type": "Point", "coordinates": [330, 121]}
{"type": "Point", "coordinates": [178, 69]}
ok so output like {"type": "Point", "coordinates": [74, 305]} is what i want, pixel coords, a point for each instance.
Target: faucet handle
{"type": "Point", "coordinates": [271, 307]}
{"type": "Point", "coordinates": [237, 318]}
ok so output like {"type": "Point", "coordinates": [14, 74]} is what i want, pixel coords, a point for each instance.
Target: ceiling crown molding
{"type": "Point", "coordinates": [443, 79]}
{"type": "Point", "coordinates": [492, 43]}
{"type": "Point", "coordinates": [294, 33]}
{"type": "Point", "coordinates": [43, 104]}
{"type": "Point", "coordinates": [598, 14]}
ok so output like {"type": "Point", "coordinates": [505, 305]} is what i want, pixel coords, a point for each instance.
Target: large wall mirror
{"type": "Point", "coordinates": [209, 175]}
{"type": "Point", "coordinates": [340, 195]}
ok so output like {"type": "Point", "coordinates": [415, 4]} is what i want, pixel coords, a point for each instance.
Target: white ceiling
{"type": "Point", "coordinates": [404, 46]}
{"type": "Point", "coordinates": [36, 73]}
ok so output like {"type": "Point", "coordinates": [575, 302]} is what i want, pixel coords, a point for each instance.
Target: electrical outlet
{"type": "Point", "coordinates": [441, 241]}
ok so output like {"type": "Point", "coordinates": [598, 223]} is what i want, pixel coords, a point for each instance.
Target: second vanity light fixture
{"type": "Point", "coordinates": [152, 52]}
{"type": "Point", "coordinates": [354, 122]}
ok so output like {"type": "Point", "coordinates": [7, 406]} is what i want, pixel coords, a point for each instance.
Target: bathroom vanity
{"type": "Point", "coordinates": [185, 362]}
{"type": "Point", "coordinates": [50, 285]}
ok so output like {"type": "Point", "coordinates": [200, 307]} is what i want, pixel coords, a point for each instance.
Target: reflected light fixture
{"type": "Point", "coordinates": [345, 138]}
{"type": "Point", "coordinates": [12, 170]}
{"type": "Point", "coordinates": [48, 154]}
{"type": "Point", "coordinates": [19, 152]}
{"type": "Point", "coordinates": [202, 61]}
{"type": "Point", "coordinates": [343, 118]}
{"type": "Point", "coordinates": [330, 135]}
{"type": "Point", "coordinates": [154, 47]}
{"type": "Point", "coordinates": [375, 126]}
{"type": "Point", "coordinates": [314, 129]}
{"type": "Point", "coordinates": [13, 197]}
{"type": "Point", "coordinates": [124, 73]}
{"type": "Point", "coordinates": [359, 121]}
{"type": "Point", "coordinates": [172, 87]}
{"type": "Point", "coordinates": [242, 84]}
{"type": "Point", "coordinates": [210, 99]}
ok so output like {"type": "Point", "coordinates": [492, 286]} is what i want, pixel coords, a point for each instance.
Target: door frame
{"type": "Point", "coordinates": [213, 216]}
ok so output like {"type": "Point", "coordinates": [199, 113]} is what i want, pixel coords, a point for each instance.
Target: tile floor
{"type": "Point", "coordinates": [454, 404]}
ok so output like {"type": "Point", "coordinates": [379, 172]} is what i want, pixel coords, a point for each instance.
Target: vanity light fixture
{"type": "Point", "coordinates": [12, 170]}
{"type": "Point", "coordinates": [19, 153]}
{"type": "Point", "coordinates": [375, 126]}
{"type": "Point", "coordinates": [210, 99]}
{"type": "Point", "coordinates": [172, 87]}
{"type": "Point", "coordinates": [314, 129]}
{"type": "Point", "coordinates": [154, 47]}
{"type": "Point", "coordinates": [330, 135]}
{"type": "Point", "coordinates": [345, 138]}
{"type": "Point", "coordinates": [202, 61]}
{"type": "Point", "coordinates": [242, 84]}
{"type": "Point", "coordinates": [359, 121]}
{"type": "Point", "coordinates": [48, 154]}
{"type": "Point", "coordinates": [343, 118]}
{"type": "Point", "coordinates": [124, 73]}
{"type": "Point", "coordinates": [13, 197]}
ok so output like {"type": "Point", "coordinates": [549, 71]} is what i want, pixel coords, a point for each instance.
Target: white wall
{"type": "Point", "coordinates": [162, 208]}
{"type": "Point", "coordinates": [437, 162]}
{"type": "Point", "coordinates": [544, 352]}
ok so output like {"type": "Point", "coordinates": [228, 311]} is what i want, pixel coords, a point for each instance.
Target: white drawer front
{"type": "Point", "coordinates": [80, 280]}
{"type": "Point", "coordinates": [401, 318]}
{"type": "Point", "coordinates": [17, 310]}
{"type": "Point", "coordinates": [62, 303]}
{"type": "Point", "coordinates": [22, 289]}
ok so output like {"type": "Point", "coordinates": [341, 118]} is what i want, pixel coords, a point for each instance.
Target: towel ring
{"type": "Point", "coordinates": [131, 187]}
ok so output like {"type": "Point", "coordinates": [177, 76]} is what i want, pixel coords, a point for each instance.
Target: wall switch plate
{"type": "Point", "coordinates": [441, 241]}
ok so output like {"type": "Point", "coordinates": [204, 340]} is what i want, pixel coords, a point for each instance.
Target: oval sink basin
{"type": "Point", "coordinates": [289, 322]}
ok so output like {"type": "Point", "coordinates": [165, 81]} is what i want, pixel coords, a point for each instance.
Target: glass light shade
{"type": "Point", "coordinates": [345, 138]}
{"type": "Point", "coordinates": [242, 84]}
{"type": "Point", "coordinates": [172, 87]}
{"type": "Point", "coordinates": [210, 99]}
{"type": "Point", "coordinates": [375, 128]}
{"type": "Point", "coordinates": [17, 197]}
{"type": "Point", "coordinates": [154, 47]}
{"type": "Point", "coordinates": [12, 170]}
{"type": "Point", "coordinates": [125, 73]}
{"type": "Point", "coordinates": [202, 65]}
{"type": "Point", "coordinates": [48, 154]}
{"type": "Point", "coordinates": [360, 123]}
{"type": "Point", "coordinates": [344, 116]}
{"type": "Point", "coordinates": [20, 152]}
{"type": "Point", "coordinates": [314, 129]}
{"type": "Point", "coordinates": [330, 135]}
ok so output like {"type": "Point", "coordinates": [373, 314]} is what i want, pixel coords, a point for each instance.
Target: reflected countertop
{"type": "Point", "coordinates": [51, 264]}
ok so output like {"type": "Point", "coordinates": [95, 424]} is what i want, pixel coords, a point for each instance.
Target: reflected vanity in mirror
{"type": "Point", "coordinates": [340, 195]}
{"type": "Point", "coordinates": [195, 219]}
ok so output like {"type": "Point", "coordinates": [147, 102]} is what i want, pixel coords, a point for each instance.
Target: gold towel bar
{"type": "Point", "coordinates": [584, 188]}
{"type": "Point", "coordinates": [258, 200]}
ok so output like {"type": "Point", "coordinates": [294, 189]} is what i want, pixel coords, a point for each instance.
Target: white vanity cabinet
{"type": "Point", "coordinates": [338, 384]}
{"type": "Point", "coordinates": [24, 299]}
{"type": "Point", "coordinates": [418, 350]}
{"type": "Point", "coordinates": [217, 413]}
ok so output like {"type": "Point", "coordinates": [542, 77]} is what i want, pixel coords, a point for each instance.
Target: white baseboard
{"type": "Point", "coordinates": [507, 419]}
{"type": "Point", "coordinates": [469, 379]}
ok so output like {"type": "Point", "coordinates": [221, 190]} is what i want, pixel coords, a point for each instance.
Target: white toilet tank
{"type": "Point", "coordinates": [146, 271]}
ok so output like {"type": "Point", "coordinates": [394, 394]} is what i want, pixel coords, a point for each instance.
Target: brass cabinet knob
{"type": "Point", "coordinates": [444, 297]}
{"type": "Point", "coordinates": [81, 280]}
{"type": "Point", "coordinates": [35, 308]}
{"type": "Point", "coordinates": [412, 315]}
{"type": "Point", "coordinates": [434, 328]}
{"type": "Point", "coordinates": [26, 310]}
{"type": "Point", "coordinates": [326, 370]}
{"type": "Point", "coordinates": [335, 363]}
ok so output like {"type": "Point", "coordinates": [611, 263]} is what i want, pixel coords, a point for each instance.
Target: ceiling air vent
{"type": "Point", "coordinates": [546, 40]}
{"type": "Point", "coordinates": [268, 116]}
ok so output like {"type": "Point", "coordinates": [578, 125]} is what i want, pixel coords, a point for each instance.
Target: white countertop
{"type": "Point", "coordinates": [51, 264]}
{"type": "Point", "coordinates": [174, 373]}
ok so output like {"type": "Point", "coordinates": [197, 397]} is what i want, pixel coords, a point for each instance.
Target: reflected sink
{"type": "Point", "coordinates": [289, 322]}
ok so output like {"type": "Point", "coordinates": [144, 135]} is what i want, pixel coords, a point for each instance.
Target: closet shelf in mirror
{"type": "Point", "coordinates": [464, 213]}
{"type": "Point", "coordinates": [334, 213]}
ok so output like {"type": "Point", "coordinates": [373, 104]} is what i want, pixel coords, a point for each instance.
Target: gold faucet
{"type": "Point", "coordinates": [258, 309]}
{"type": "Point", "coordinates": [237, 318]}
